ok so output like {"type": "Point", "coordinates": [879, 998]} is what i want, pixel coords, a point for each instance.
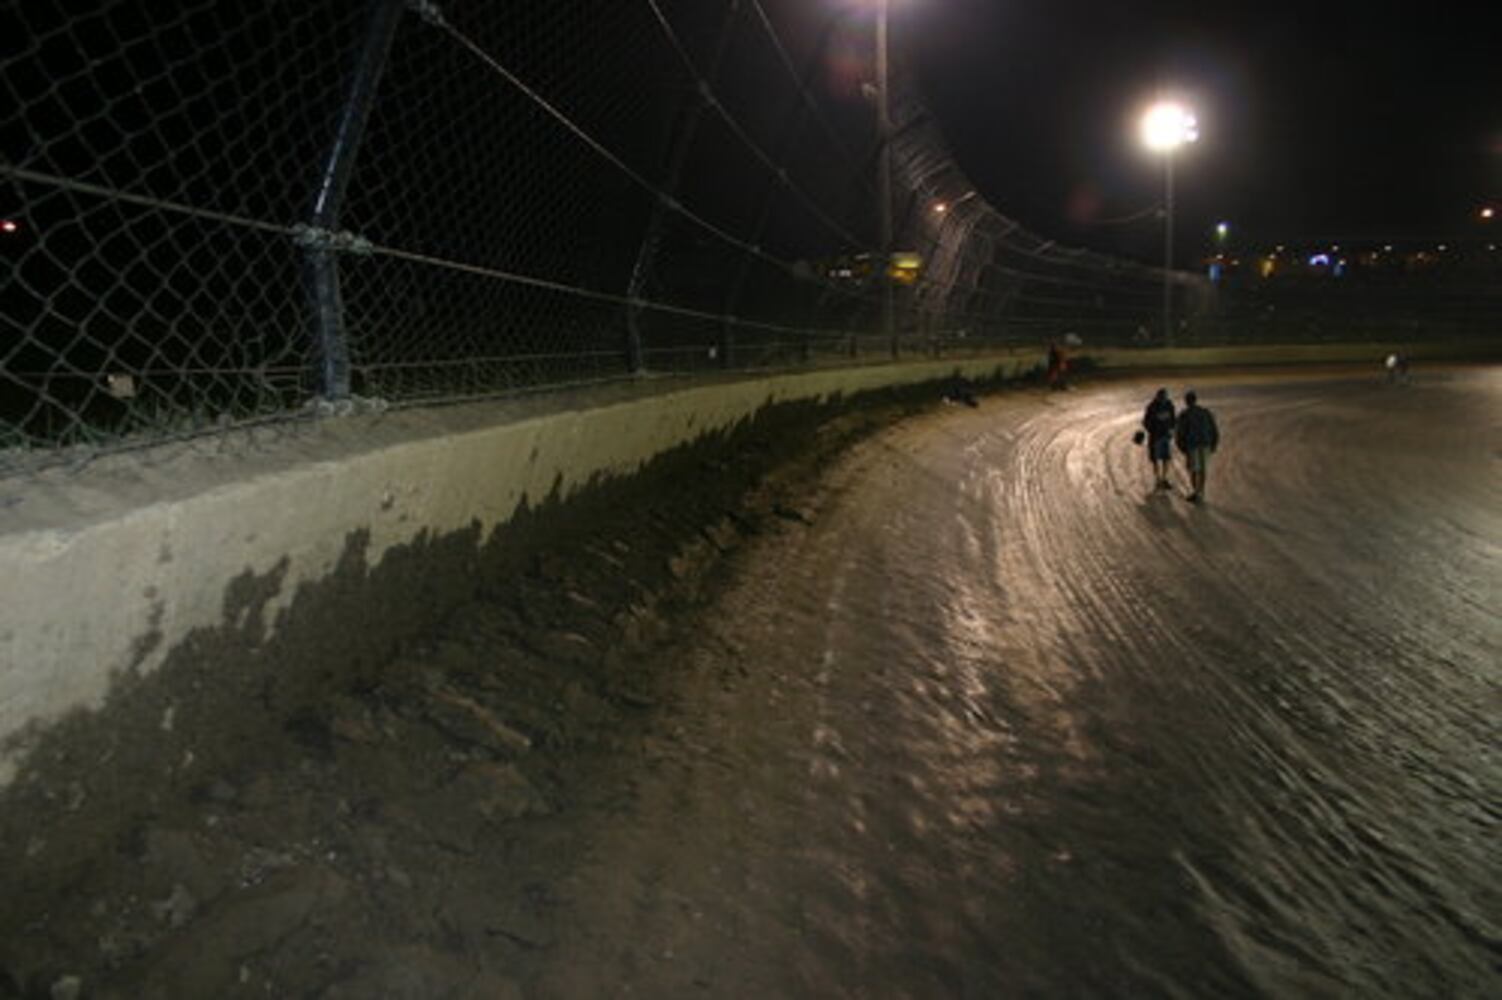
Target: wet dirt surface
{"type": "Point", "coordinates": [1003, 720]}
{"type": "Point", "coordinates": [972, 712]}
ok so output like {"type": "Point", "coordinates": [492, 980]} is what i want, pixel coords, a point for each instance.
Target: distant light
{"type": "Point", "coordinates": [1167, 126]}
{"type": "Point", "coordinates": [1442, 248]}
{"type": "Point", "coordinates": [1222, 229]}
{"type": "Point", "coordinates": [1388, 248]}
{"type": "Point", "coordinates": [1320, 260]}
{"type": "Point", "coordinates": [1488, 212]}
{"type": "Point", "coordinates": [940, 207]}
{"type": "Point", "coordinates": [9, 226]}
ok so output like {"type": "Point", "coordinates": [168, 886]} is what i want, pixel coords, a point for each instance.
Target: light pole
{"type": "Point", "coordinates": [1167, 126]}
{"type": "Point", "coordinates": [884, 173]}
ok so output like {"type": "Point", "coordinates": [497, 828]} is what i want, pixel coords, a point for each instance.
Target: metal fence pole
{"type": "Point", "coordinates": [884, 174]}
{"type": "Point", "coordinates": [322, 263]}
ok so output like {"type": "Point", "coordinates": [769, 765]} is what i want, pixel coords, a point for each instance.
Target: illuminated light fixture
{"type": "Point", "coordinates": [1488, 212]}
{"type": "Point", "coordinates": [1442, 248]}
{"type": "Point", "coordinates": [9, 226]}
{"type": "Point", "coordinates": [1167, 126]}
{"type": "Point", "coordinates": [1222, 229]}
{"type": "Point", "coordinates": [903, 266]}
{"type": "Point", "coordinates": [1319, 260]}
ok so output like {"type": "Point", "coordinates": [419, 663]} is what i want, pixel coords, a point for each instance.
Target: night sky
{"type": "Point", "coordinates": [1318, 121]}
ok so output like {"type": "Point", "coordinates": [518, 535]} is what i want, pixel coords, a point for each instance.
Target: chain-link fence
{"type": "Point", "coordinates": [223, 213]}
{"type": "Point", "coordinates": [218, 214]}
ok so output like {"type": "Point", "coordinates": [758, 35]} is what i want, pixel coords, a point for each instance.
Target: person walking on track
{"type": "Point", "coordinates": [1058, 367]}
{"type": "Point", "coordinates": [1197, 437]}
{"type": "Point", "coordinates": [1158, 421]}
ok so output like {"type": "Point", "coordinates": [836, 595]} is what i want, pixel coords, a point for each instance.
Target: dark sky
{"type": "Point", "coordinates": [1328, 120]}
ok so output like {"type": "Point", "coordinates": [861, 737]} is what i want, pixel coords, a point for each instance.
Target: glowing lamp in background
{"type": "Point", "coordinates": [1168, 125]}
{"type": "Point", "coordinates": [904, 266]}
{"type": "Point", "coordinates": [9, 226]}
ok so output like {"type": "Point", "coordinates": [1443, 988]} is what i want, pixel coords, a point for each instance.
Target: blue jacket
{"type": "Point", "coordinates": [1196, 429]}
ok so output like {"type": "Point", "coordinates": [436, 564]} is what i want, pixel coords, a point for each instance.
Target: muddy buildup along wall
{"type": "Point", "coordinates": [286, 811]}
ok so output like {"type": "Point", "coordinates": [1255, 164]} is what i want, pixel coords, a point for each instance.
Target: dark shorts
{"type": "Point", "coordinates": [1160, 449]}
{"type": "Point", "coordinates": [1198, 459]}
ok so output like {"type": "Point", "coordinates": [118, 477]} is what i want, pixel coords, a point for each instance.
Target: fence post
{"type": "Point", "coordinates": [322, 262]}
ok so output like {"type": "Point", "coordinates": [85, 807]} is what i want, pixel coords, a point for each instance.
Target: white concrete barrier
{"type": "Point", "coordinates": [1288, 354]}
{"type": "Point", "coordinates": [103, 572]}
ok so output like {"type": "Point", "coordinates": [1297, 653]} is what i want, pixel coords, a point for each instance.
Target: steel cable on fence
{"type": "Point", "coordinates": [774, 37]}
{"type": "Point", "coordinates": [775, 169]}
{"type": "Point", "coordinates": [171, 155]}
{"type": "Point", "coordinates": [673, 204]}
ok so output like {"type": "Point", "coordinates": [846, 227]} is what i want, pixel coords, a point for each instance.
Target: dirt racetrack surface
{"type": "Point", "coordinates": [958, 706]}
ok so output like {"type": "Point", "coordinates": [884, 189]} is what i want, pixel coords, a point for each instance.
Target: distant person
{"type": "Point", "coordinates": [960, 392]}
{"type": "Point", "coordinates": [1197, 437]}
{"type": "Point", "coordinates": [1158, 422]}
{"type": "Point", "coordinates": [1397, 369]}
{"type": "Point", "coordinates": [1058, 365]}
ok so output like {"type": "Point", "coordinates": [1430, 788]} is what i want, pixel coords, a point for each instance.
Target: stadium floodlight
{"type": "Point", "coordinates": [1166, 126]}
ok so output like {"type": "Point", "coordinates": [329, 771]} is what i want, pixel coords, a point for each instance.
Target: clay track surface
{"type": "Point", "coordinates": [973, 711]}
{"type": "Point", "coordinates": [989, 716]}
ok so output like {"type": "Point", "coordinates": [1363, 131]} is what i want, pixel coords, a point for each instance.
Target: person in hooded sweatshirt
{"type": "Point", "coordinates": [1158, 421]}
{"type": "Point", "coordinates": [1197, 437]}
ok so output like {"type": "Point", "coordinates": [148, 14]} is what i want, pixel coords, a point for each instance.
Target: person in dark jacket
{"type": "Point", "coordinates": [1058, 367]}
{"type": "Point", "coordinates": [1158, 421]}
{"type": "Point", "coordinates": [1197, 437]}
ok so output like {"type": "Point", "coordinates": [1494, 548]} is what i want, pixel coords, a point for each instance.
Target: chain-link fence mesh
{"type": "Point", "coordinates": [222, 213]}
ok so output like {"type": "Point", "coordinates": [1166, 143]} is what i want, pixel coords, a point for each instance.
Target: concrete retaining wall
{"type": "Point", "coordinates": [104, 572]}
{"type": "Point", "coordinates": [1290, 354]}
